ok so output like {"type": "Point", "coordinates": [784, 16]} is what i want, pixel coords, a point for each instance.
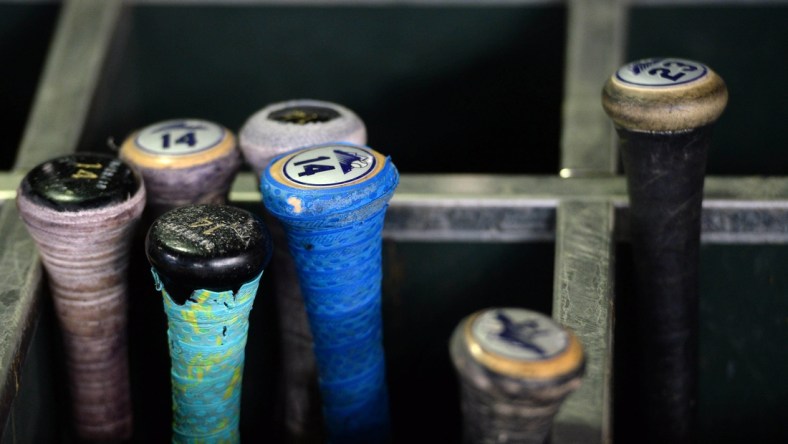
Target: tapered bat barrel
{"type": "Point", "coordinates": [270, 132]}
{"type": "Point", "coordinates": [515, 368]}
{"type": "Point", "coordinates": [331, 199]}
{"type": "Point", "coordinates": [183, 161]}
{"type": "Point", "coordinates": [207, 261]}
{"type": "Point", "coordinates": [82, 211]}
{"type": "Point", "coordinates": [663, 110]}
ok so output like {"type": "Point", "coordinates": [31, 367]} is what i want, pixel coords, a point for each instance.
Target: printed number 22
{"type": "Point", "coordinates": [310, 169]}
{"type": "Point", "coordinates": [665, 72]}
{"type": "Point", "coordinates": [186, 139]}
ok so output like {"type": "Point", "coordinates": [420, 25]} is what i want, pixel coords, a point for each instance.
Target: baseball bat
{"type": "Point", "coordinates": [274, 130]}
{"type": "Point", "coordinates": [331, 200]}
{"type": "Point", "coordinates": [183, 161]}
{"type": "Point", "coordinates": [515, 368]}
{"type": "Point", "coordinates": [207, 261]}
{"type": "Point", "coordinates": [663, 110]}
{"type": "Point", "coordinates": [82, 211]}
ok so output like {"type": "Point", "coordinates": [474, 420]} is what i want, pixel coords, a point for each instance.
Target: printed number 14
{"type": "Point", "coordinates": [310, 169]}
{"type": "Point", "coordinates": [186, 139]}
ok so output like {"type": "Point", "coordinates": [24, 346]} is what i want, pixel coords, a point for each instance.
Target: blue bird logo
{"type": "Point", "coordinates": [521, 334]}
{"type": "Point", "coordinates": [349, 161]}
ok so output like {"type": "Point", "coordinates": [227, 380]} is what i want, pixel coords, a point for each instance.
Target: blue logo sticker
{"type": "Point", "coordinates": [519, 334]}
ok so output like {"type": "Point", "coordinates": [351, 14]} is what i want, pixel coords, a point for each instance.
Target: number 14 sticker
{"type": "Point", "coordinates": [180, 137]}
{"type": "Point", "coordinates": [329, 165]}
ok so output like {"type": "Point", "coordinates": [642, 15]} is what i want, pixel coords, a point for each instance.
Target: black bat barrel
{"type": "Point", "coordinates": [663, 110]}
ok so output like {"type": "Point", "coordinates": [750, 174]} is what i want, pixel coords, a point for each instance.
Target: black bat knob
{"type": "Point", "coordinates": [80, 181]}
{"type": "Point", "coordinates": [212, 247]}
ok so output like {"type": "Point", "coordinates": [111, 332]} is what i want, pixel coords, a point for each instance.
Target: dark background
{"type": "Point", "coordinates": [436, 87]}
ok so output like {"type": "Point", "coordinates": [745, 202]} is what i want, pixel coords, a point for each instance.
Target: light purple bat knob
{"type": "Point", "coordinates": [183, 161]}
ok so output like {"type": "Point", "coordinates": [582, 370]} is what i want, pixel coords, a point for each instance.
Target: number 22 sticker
{"type": "Point", "coordinates": [661, 72]}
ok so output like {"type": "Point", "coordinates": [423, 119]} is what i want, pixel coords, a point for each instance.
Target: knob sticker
{"type": "Point", "coordinates": [329, 165]}
{"type": "Point", "coordinates": [519, 334]}
{"type": "Point", "coordinates": [661, 72]}
{"type": "Point", "coordinates": [304, 115]}
{"type": "Point", "coordinates": [180, 137]}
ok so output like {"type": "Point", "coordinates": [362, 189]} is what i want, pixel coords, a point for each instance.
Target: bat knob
{"type": "Point", "coordinates": [80, 182]}
{"type": "Point", "coordinates": [284, 126]}
{"type": "Point", "coordinates": [327, 180]}
{"type": "Point", "coordinates": [516, 367]}
{"type": "Point", "coordinates": [183, 161]}
{"type": "Point", "coordinates": [212, 247]}
{"type": "Point", "coordinates": [664, 95]}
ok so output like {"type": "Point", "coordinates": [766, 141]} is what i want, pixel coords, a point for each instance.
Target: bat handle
{"type": "Point", "coordinates": [207, 261]}
{"type": "Point", "coordinates": [663, 110]}
{"type": "Point", "coordinates": [331, 200]}
{"type": "Point", "coordinates": [342, 296]}
{"type": "Point", "coordinates": [82, 211]}
{"type": "Point", "coordinates": [274, 130]}
{"type": "Point", "coordinates": [515, 368]}
{"type": "Point", "coordinates": [298, 391]}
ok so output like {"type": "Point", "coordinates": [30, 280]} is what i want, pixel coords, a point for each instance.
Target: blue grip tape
{"type": "Point", "coordinates": [334, 236]}
{"type": "Point", "coordinates": [207, 336]}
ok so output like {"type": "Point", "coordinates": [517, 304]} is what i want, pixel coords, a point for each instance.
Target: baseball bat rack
{"type": "Point", "coordinates": [511, 191]}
